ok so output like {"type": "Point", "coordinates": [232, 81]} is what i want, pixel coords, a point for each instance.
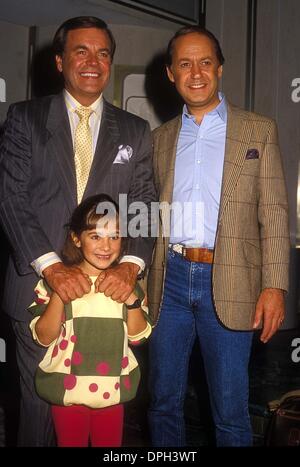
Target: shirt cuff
{"type": "Point", "coordinates": [134, 259]}
{"type": "Point", "coordinates": [142, 335]}
{"type": "Point", "coordinates": [34, 334]}
{"type": "Point", "coordinates": [44, 261]}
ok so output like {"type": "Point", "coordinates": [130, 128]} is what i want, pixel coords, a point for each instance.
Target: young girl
{"type": "Point", "coordinates": [88, 371]}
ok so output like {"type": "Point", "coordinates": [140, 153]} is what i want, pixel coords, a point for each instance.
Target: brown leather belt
{"type": "Point", "coordinates": [198, 255]}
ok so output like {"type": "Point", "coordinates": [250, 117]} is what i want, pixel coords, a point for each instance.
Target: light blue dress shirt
{"type": "Point", "coordinates": [198, 178]}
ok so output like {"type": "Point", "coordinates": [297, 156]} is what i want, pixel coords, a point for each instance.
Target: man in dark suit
{"type": "Point", "coordinates": [40, 183]}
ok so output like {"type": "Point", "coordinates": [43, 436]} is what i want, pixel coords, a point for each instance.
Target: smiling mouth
{"type": "Point", "coordinates": [197, 86]}
{"type": "Point", "coordinates": [103, 257]}
{"type": "Point", "coordinates": [89, 74]}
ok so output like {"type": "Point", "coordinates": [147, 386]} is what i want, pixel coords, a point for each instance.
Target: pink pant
{"type": "Point", "coordinates": [76, 424]}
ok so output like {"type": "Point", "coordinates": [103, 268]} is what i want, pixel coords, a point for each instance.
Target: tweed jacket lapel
{"type": "Point", "coordinates": [164, 167]}
{"type": "Point", "coordinates": [106, 149]}
{"type": "Point", "coordinates": [60, 145]}
{"type": "Point", "coordinates": [238, 136]}
{"type": "Point", "coordinates": [166, 159]}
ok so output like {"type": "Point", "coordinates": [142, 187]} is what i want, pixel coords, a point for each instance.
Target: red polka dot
{"type": "Point", "coordinates": [126, 382]}
{"type": "Point", "coordinates": [40, 301]}
{"type": "Point", "coordinates": [67, 362]}
{"type": "Point", "coordinates": [63, 345]}
{"type": "Point", "coordinates": [103, 368]}
{"type": "Point", "coordinates": [70, 382]}
{"type": "Point", "coordinates": [73, 339]}
{"type": "Point", "coordinates": [77, 358]}
{"type": "Point", "coordinates": [124, 362]}
{"type": "Point", "coordinates": [135, 342]}
{"type": "Point", "coordinates": [117, 385]}
{"type": "Point", "coordinates": [106, 395]}
{"type": "Point", "coordinates": [93, 387]}
{"type": "Point", "coordinates": [55, 351]}
{"type": "Point", "coordinates": [63, 332]}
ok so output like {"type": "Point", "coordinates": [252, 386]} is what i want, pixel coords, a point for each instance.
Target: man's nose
{"type": "Point", "coordinates": [196, 70]}
{"type": "Point", "coordinates": [92, 59]}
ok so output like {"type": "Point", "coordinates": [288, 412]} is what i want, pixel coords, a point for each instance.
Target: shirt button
{"type": "Point", "coordinates": [198, 162]}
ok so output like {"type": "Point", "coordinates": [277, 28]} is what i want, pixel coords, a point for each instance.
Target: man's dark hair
{"type": "Point", "coordinates": [80, 22]}
{"type": "Point", "coordinates": [189, 30]}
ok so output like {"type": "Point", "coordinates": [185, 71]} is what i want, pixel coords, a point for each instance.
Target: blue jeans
{"type": "Point", "coordinates": [187, 312]}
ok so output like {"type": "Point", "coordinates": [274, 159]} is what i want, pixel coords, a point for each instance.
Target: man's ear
{"type": "Point", "coordinates": [58, 60]}
{"type": "Point", "coordinates": [170, 74]}
{"type": "Point", "coordinates": [220, 71]}
{"type": "Point", "coordinates": [76, 240]}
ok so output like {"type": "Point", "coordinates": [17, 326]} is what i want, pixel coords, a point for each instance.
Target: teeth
{"type": "Point", "coordinates": [93, 75]}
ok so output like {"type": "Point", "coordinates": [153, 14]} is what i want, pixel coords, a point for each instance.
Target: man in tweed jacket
{"type": "Point", "coordinates": [227, 276]}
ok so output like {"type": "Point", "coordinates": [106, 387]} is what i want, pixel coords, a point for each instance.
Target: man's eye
{"type": "Point", "coordinates": [184, 64]}
{"type": "Point", "coordinates": [81, 52]}
{"type": "Point", "coordinates": [104, 55]}
{"type": "Point", "coordinates": [205, 62]}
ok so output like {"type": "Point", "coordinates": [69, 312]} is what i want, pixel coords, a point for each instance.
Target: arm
{"type": "Point", "coordinates": [142, 190]}
{"type": "Point", "coordinates": [19, 220]}
{"type": "Point", "coordinates": [48, 326]}
{"type": "Point", "coordinates": [138, 323]}
{"type": "Point", "coordinates": [118, 282]}
{"type": "Point", "coordinates": [16, 212]}
{"type": "Point", "coordinates": [274, 234]}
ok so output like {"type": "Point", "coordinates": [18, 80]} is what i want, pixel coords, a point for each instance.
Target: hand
{"type": "Point", "coordinates": [68, 282]}
{"type": "Point", "coordinates": [118, 282]}
{"type": "Point", "coordinates": [270, 310]}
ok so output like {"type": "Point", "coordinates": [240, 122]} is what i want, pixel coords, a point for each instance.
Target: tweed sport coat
{"type": "Point", "coordinates": [38, 184]}
{"type": "Point", "coordinates": [252, 241]}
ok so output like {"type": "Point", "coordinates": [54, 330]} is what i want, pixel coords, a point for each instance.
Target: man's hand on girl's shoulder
{"type": "Point", "coordinates": [68, 282]}
{"type": "Point", "coordinates": [118, 282]}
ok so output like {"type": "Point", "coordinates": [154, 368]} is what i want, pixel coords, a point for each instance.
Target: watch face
{"type": "Point", "coordinates": [136, 304]}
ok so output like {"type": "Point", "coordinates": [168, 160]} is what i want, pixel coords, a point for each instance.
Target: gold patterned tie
{"type": "Point", "coordinates": [83, 149]}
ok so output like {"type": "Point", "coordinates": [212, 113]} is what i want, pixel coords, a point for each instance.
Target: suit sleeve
{"type": "Point", "coordinates": [273, 216]}
{"type": "Point", "coordinates": [27, 239]}
{"type": "Point", "coordinates": [142, 193]}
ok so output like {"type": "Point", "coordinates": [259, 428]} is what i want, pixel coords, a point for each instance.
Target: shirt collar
{"type": "Point", "coordinates": [220, 109]}
{"type": "Point", "coordinates": [72, 104]}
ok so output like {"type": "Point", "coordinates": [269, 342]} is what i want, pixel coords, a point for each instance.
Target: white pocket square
{"type": "Point", "coordinates": [124, 154]}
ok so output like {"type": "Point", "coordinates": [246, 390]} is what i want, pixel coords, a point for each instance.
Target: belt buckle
{"type": "Point", "coordinates": [178, 248]}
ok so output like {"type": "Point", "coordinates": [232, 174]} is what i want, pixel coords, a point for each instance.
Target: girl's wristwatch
{"type": "Point", "coordinates": [136, 304]}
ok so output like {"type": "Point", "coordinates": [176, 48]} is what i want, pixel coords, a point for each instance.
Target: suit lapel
{"type": "Point", "coordinates": [106, 149]}
{"type": "Point", "coordinates": [238, 136]}
{"type": "Point", "coordinates": [60, 145]}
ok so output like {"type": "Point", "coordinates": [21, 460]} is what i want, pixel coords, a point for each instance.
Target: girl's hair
{"type": "Point", "coordinates": [85, 217]}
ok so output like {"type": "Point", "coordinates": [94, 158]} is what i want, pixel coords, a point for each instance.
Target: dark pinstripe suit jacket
{"type": "Point", "coordinates": [252, 242]}
{"type": "Point", "coordinates": [38, 183]}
